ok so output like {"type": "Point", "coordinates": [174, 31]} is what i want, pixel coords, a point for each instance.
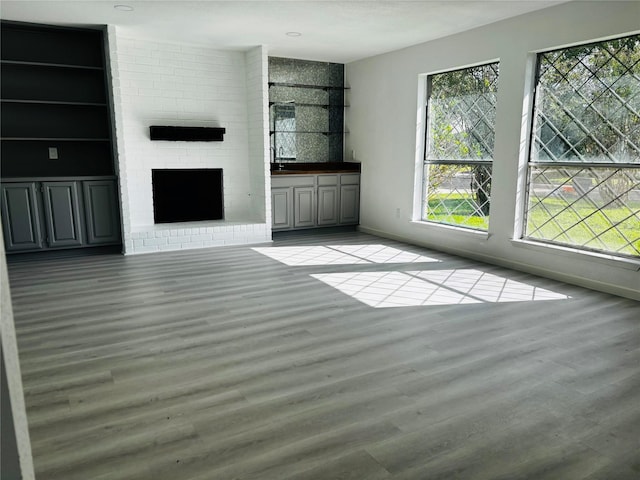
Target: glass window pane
{"type": "Point", "coordinates": [460, 136]}
{"type": "Point", "coordinates": [587, 112]}
{"type": "Point", "coordinates": [594, 208]}
{"type": "Point", "coordinates": [461, 114]}
{"type": "Point", "coordinates": [588, 104]}
{"type": "Point", "coordinates": [458, 195]}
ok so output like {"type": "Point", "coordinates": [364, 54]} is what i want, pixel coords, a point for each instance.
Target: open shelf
{"type": "Point", "coordinates": [21, 157]}
{"type": "Point", "coordinates": [59, 47]}
{"type": "Point", "coordinates": [45, 120]}
{"type": "Point", "coordinates": [54, 95]}
{"type": "Point", "coordinates": [319, 105]}
{"type": "Point", "coordinates": [49, 65]}
{"type": "Point", "coordinates": [322, 132]}
{"type": "Point", "coordinates": [53, 102]}
{"type": "Point", "coordinates": [34, 82]}
{"type": "Point", "coordinates": [55, 139]}
{"type": "Point", "coordinates": [304, 85]}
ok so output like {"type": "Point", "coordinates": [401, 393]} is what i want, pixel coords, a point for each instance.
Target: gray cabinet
{"type": "Point", "coordinates": [40, 215]}
{"type": "Point", "coordinates": [327, 205]}
{"type": "Point", "coordinates": [281, 208]}
{"type": "Point", "coordinates": [319, 200]}
{"type": "Point", "coordinates": [304, 211]}
{"type": "Point", "coordinates": [349, 204]}
{"type": "Point", "coordinates": [21, 217]}
{"type": "Point", "coordinates": [349, 199]}
{"type": "Point", "coordinates": [101, 212]}
{"type": "Point", "coordinates": [62, 214]}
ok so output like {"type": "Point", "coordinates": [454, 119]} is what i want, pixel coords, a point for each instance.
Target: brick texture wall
{"type": "Point", "coordinates": [158, 83]}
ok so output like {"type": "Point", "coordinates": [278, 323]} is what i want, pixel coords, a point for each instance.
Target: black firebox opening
{"type": "Point", "coordinates": [187, 195]}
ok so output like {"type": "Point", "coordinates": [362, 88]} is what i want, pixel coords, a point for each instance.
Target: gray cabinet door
{"type": "Point", "coordinates": [20, 217]}
{"type": "Point", "coordinates": [304, 211]}
{"type": "Point", "coordinates": [101, 212]}
{"type": "Point", "coordinates": [327, 205]}
{"type": "Point", "coordinates": [62, 214]}
{"type": "Point", "coordinates": [281, 206]}
{"type": "Point", "coordinates": [349, 204]}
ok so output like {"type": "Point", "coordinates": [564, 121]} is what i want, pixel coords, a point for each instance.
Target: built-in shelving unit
{"type": "Point", "coordinates": [55, 134]}
{"type": "Point", "coordinates": [53, 96]}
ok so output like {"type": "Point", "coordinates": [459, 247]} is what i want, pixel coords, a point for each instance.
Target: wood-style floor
{"type": "Point", "coordinates": [236, 363]}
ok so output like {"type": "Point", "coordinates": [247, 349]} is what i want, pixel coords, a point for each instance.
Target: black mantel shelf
{"type": "Point", "coordinates": [187, 134]}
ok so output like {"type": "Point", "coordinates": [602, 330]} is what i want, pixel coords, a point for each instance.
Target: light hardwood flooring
{"type": "Point", "coordinates": [227, 363]}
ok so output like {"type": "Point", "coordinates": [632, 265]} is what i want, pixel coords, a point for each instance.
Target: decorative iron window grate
{"type": "Point", "coordinates": [460, 133]}
{"type": "Point", "coordinates": [584, 164]}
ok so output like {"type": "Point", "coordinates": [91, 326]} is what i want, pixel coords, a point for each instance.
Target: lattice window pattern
{"type": "Point", "coordinates": [460, 137]}
{"type": "Point", "coordinates": [584, 168]}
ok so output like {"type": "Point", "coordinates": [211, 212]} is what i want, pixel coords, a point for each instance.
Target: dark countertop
{"type": "Point", "coordinates": [315, 168]}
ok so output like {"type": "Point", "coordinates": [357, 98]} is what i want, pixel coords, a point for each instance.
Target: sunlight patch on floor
{"type": "Point", "coordinates": [341, 255]}
{"type": "Point", "coordinates": [434, 287]}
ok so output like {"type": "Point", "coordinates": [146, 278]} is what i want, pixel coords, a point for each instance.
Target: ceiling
{"type": "Point", "coordinates": [332, 30]}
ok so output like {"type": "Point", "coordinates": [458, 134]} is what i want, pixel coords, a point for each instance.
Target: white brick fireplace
{"type": "Point", "coordinates": [158, 83]}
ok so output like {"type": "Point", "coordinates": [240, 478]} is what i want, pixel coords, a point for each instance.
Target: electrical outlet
{"type": "Point", "coordinates": [53, 153]}
{"type": "Point", "coordinates": [397, 213]}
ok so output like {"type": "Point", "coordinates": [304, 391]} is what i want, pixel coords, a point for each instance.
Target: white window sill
{"type": "Point", "coordinates": [606, 259]}
{"type": "Point", "coordinates": [461, 230]}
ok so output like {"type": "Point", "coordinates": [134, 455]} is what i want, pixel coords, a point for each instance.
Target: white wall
{"type": "Point", "coordinates": [258, 112]}
{"type": "Point", "coordinates": [384, 120]}
{"type": "Point", "coordinates": [159, 83]}
{"type": "Point", "coordinates": [15, 428]}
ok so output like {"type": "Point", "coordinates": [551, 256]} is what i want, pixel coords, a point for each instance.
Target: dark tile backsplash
{"type": "Point", "coordinates": [306, 124]}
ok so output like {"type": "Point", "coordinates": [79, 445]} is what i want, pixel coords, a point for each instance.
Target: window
{"type": "Point", "coordinates": [584, 163]}
{"type": "Point", "coordinates": [461, 110]}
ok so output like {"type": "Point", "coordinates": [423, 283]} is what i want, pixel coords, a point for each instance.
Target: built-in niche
{"type": "Point", "coordinates": [306, 111]}
{"type": "Point", "coordinates": [59, 184]}
{"type": "Point", "coordinates": [55, 114]}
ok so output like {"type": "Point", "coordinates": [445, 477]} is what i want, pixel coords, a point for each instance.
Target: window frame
{"type": "Point", "coordinates": [425, 162]}
{"type": "Point", "coordinates": [531, 164]}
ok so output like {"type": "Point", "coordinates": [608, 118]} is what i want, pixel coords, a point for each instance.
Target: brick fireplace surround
{"type": "Point", "coordinates": [158, 83]}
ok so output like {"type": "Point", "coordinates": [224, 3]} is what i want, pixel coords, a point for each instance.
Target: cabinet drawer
{"type": "Point", "coordinates": [327, 180]}
{"type": "Point", "coordinates": [292, 181]}
{"type": "Point", "coordinates": [350, 179]}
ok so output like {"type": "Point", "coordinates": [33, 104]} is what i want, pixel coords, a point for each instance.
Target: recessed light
{"type": "Point", "coordinates": [293, 34]}
{"type": "Point", "coordinates": [123, 8]}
